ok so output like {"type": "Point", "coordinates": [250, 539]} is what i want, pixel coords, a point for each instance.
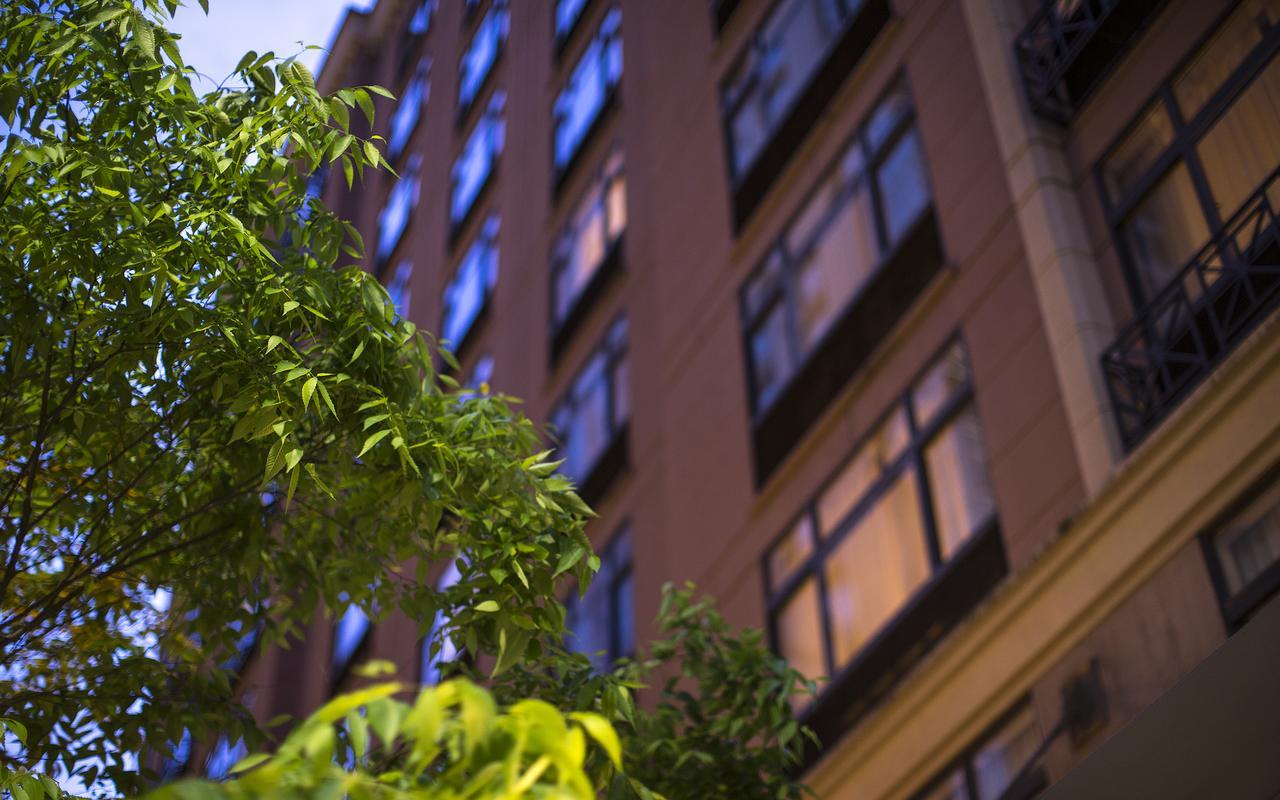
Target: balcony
{"type": "Point", "coordinates": [1069, 46]}
{"type": "Point", "coordinates": [1191, 325]}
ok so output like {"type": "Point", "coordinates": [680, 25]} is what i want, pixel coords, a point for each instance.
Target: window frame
{"type": "Point", "coordinates": [910, 463]}
{"type": "Point", "coordinates": [608, 36]}
{"type": "Point", "coordinates": [607, 175]}
{"type": "Point", "coordinates": [498, 15]}
{"type": "Point", "coordinates": [1181, 149]}
{"type": "Point", "coordinates": [784, 290]}
{"type": "Point", "coordinates": [483, 246]}
{"type": "Point", "coordinates": [1020, 787]}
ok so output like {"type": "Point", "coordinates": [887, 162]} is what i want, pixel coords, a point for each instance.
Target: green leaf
{"type": "Point", "coordinates": [373, 439]}
{"type": "Point", "coordinates": [487, 606]}
{"type": "Point", "coordinates": [371, 151]}
{"type": "Point", "coordinates": [308, 389]}
{"type": "Point", "coordinates": [249, 762]}
{"type": "Point", "coordinates": [274, 342]}
{"type": "Point", "coordinates": [365, 104]}
{"type": "Point", "coordinates": [604, 734]}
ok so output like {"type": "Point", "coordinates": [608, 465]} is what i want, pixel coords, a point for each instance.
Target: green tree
{"type": "Point", "coordinates": [203, 396]}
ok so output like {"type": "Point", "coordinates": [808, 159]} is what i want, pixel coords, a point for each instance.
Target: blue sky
{"type": "Point", "coordinates": [214, 44]}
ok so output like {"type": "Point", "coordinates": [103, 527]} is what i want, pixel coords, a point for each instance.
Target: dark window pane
{"type": "Point", "coordinates": [1250, 543]}
{"type": "Point", "coordinates": [939, 384]}
{"type": "Point", "coordinates": [596, 406]}
{"type": "Point", "coordinates": [875, 569]}
{"type": "Point", "coordinates": [1165, 230]}
{"type": "Point", "coordinates": [1243, 147]}
{"type": "Point", "coordinates": [1228, 48]}
{"type": "Point", "coordinates": [1005, 754]}
{"type": "Point", "coordinates": [904, 190]}
{"type": "Point", "coordinates": [623, 614]}
{"type": "Point", "coordinates": [958, 481]}
{"type": "Point", "coordinates": [1139, 149]}
{"type": "Point", "coordinates": [600, 622]}
{"type": "Point", "coordinates": [953, 787]}
{"type": "Point", "coordinates": [770, 357]}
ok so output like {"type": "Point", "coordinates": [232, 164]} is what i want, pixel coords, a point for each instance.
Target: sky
{"type": "Point", "coordinates": [214, 44]}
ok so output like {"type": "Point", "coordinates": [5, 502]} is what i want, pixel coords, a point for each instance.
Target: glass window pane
{"type": "Point", "coordinates": [478, 59]}
{"type": "Point", "coordinates": [958, 480]}
{"type": "Point", "coordinates": [409, 109]}
{"type": "Point", "coordinates": [904, 190]}
{"type": "Point", "coordinates": [616, 204]}
{"type": "Point", "coordinates": [466, 294]}
{"type": "Point", "coordinates": [875, 569]}
{"type": "Point", "coordinates": [395, 215]}
{"type": "Point", "coordinates": [1005, 754]}
{"type": "Point", "coordinates": [1243, 147]}
{"type": "Point", "coordinates": [623, 617]}
{"type": "Point", "coordinates": [567, 13]}
{"type": "Point", "coordinates": [1250, 543]}
{"type": "Point", "coordinates": [475, 163]}
{"type": "Point", "coordinates": [1165, 230]}
{"type": "Point", "coordinates": [398, 288]}
{"type": "Point", "coordinates": [886, 117]}
{"type": "Point", "coordinates": [1135, 154]}
{"type": "Point", "coordinates": [878, 452]}
{"type": "Point", "coordinates": [789, 554]}
{"type": "Point", "coordinates": [836, 268]}
{"type": "Point", "coordinates": [621, 394]}
{"type": "Point", "coordinates": [771, 358]}
{"type": "Point", "coordinates": [939, 383]}
{"type": "Point", "coordinates": [952, 787]}
{"type": "Point", "coordinates": [348, 634]}
{"type": "Point", "coordinates": [762, 286]}
{"type": "Point", "coordinates": [583, 97]}
{"type": "Point", "coordinates": [420, 22]}
{"type": "Point", "coordinates": [1215, 62]}
{"type": "Point", "coordinates": [799, 629]}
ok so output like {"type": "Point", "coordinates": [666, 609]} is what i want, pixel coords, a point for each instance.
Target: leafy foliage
{"type": "Point", "coordinates": [205, 401]}
{"type": "Point", "coordinates": [184, 357]}
{"type": "Point", "coordinates": [451, 742]}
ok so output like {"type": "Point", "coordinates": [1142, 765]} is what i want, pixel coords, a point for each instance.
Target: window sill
{"type": "Point", "coordinates": [608, 467]}
{"type": "Point", "coordinates": [563, 173]}
{"type": "Point", "coordinates": [586, 300]}
{"type": "Point", "coordinates": [809, 106]}
{"type": "Point", "coordinates": [865, 322]}
{"type": "Point", "coordinates": [949, 596]}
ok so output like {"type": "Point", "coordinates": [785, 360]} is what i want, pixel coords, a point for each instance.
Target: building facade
{"type": "Point", "coordinates": [937, 337]}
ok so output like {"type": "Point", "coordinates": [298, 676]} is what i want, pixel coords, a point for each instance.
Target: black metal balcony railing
{"type": "Point", "coordinates": [1069, 45]}
{"type": "Point", "coordinates": [1192, 324]}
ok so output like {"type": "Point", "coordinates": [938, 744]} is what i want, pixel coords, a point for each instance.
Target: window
{"type": "Point", "coordinates": [477, 62]}
{"type": "Point", "coordinates": [398, 288]}
{"type": "Point", "coordinates": [223, 757]}
{"type": "Point", "coordinates": [600, 622]}
{"type": "Point", "coordinates": [568, 12]}
{"type": "Point", "coordinates": [779, 62]}
{"type": "Point", "coordinates": [1245, 554]}
{"type": "Point", "coordinates": [593, 231]}
{"type": "Point", "coordinates": [400, 204]}
{"type": "Point", "coordinates": [409, 109]}
{"type": "Point", "coordinates": [348, 635]}
{"type": "Point", "coordinates": [1198, 151]}
{"type": "Point", "coordinates": [595, 409]}
{"type": "Point", "coordinates": [989, 769]}
{"type": "Point", "coordinates": [438, 649]}
{"type": "Point", "coordinates": [908, 501]}
{"type": "Point", "coordinates": [466, 295]}
{"type": "Point", "coordinates": [420, 22]}
{"type": "Point", "coordinates": [590, 87]}
{"type": "Point", "coordinates": [834, 246]}
{"type": "Point", "coordinates": [476, 162]}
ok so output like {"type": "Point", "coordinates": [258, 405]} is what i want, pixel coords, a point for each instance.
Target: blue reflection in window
{"type": "Point", "coordinates": [596, 407]}
{"type": "Point", "coordinates": [420, 22]}
{"type": "Point", "coordinates": [398, 288]}
{"type": "Point", "coordinates": [592, 80]}
{"type": "Point", "coordinates": [348, 635]}
{"type": "Point", "coordinates": [467, 293]}
{"type": "Point", "coordinates": [600, 622]}
{"type": "Point", "coordinates": [438, 648]}
{"type": "Point", "coordinates": [224, 756]}
{"type": "Point", "coordinates": [475, 163]}
{"type": "Point", "coordinates": [400, 202]}
{"type": "Point", "coordinates": [478, 60]}
{"type": "Point", "coordinates": [409, 109]}
{"type": "Point", "coordinates": [567, 13]}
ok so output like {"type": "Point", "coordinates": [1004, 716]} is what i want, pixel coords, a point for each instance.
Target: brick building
{"type": "Point", "coordinates": [938, 337]}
